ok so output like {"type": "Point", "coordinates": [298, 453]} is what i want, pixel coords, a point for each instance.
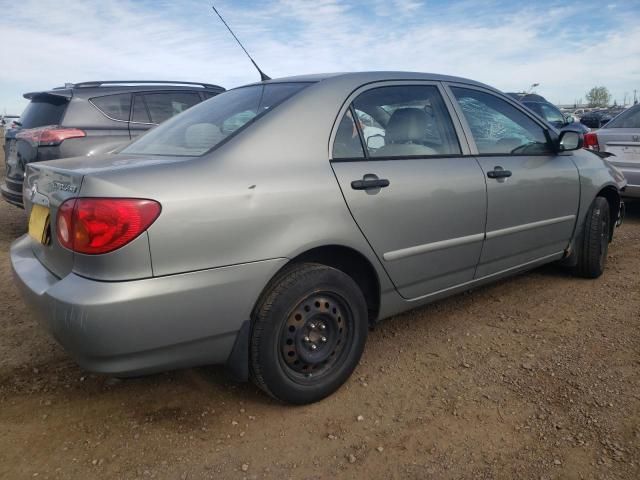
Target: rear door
{"type": "Point", "coordinates": [418, 199]}
{"type": "Point", "coordinates": [532, 192]}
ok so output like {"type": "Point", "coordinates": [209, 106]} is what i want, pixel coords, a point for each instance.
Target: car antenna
{"type": "Point", "coordinates": [263, 76]}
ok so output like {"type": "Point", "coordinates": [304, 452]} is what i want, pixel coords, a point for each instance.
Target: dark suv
{"type": "Point", "coordinates": [549, 112]}
{"type": "Point", "coordinates": [90, 118]}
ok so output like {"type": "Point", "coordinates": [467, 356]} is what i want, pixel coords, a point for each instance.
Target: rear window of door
{"type": "Point", "coordinates": [499, 128]}
{"type": "Point", "coordinates": [42, 111]}
{"type": "Point", "coordinates": [398, 121]}
{"type": "Point", "coordinates": [163, 106]}
{"type": "Point", "coordinates": [140, 113]}
{"type": "Point", "coordinates": [116, 107]}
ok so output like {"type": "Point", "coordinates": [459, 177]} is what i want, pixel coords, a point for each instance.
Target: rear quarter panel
{"type": "Point", "coordinates": [595, 175]}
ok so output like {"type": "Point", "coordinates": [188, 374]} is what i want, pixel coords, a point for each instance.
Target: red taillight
{"type": "Point", "coordinates": [49, 136]}
{"type": "Point", "coordinates": [591, 141]}
{"type": "Point", "coordinates": [101, 225]}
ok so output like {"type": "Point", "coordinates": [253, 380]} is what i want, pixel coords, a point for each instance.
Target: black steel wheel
{"type": "Point", "coordinates": [309, 331]}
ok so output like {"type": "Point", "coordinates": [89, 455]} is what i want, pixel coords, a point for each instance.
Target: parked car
{"type": "Point", "coordinates": [261, 230]}
{"type": "Point", "coordinates": [621, 137]}
{"type": "Point", "coordinates": [550, 112]}
{"type": "Point", "coordinates": [7, 121]}
{"type": "Point", "coordinates": [596, 118]}
{"type": "Point", "coordinates": [90, 118]}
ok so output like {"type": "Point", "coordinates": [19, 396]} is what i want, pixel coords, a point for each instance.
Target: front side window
{"type": "Point", "coordinates": [628, 119]}
{"type": "Point", "coordinates": [114, 106]}
{"type": "Point", "coordinates": [498, 127]}
{"type": "Point", "coordinates": [163, 106]}
{"type": "Point", "coordinates": [207, 124]}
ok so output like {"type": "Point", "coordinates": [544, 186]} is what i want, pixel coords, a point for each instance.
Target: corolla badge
{"type": "Point", "coordinates": [65, 187]}
{"type": "Point", "coordinates": [636, 138]}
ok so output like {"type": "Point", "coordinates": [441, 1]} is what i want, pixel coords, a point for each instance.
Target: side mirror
{"type": "Point", "coordinates": [569, 119]}
{"type": "Point", "coordinates": [570, 140]}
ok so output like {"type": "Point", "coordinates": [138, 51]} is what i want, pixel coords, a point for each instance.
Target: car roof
{"type": "Point", "coordinates": [373, 76]}
{"type": "Point", "coordinates": [100, 88]}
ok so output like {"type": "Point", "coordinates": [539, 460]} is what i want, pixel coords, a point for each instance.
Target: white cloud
{"type": "Point", "coordinates": [124, 39]}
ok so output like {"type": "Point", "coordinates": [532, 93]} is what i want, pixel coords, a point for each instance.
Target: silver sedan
{"type": "Point", "coordinates": [621, 138]}
{"type": "Point", "coordinates": [269, 227]}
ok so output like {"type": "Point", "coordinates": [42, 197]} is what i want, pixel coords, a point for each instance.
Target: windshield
{"type": "Point", "coordinates": [202, 127]}
{"type": "Point", "coordinates": [628, 119]}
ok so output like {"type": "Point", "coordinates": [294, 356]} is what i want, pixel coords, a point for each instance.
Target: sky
{"type": "Point", "coordinates": [565, 46]}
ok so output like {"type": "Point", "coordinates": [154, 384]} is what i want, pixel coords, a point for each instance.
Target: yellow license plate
{"type": "Point", "coordinates": [39, 223]}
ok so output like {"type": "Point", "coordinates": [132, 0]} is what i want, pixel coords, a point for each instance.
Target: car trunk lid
{"type": "Point", "coordinates": [624, 143]}
{"type": "Point", "coordinates": [46, 188]}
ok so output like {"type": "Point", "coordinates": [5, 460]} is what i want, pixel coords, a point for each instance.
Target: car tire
{"type": "Point", "coordinates": [594, 244]}
{"type": "Point", "coordinates": [308, 334]}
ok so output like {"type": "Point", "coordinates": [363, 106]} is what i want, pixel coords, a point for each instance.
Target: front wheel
{"type": "Point", "coordinates": [594, 245]}
{"type": "Point", "coordinates": [309, 331]}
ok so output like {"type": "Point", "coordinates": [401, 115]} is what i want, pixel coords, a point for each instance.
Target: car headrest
{"type": "Point", "coordinates": [407, 125]}
{"type": "Point", "coordinates": [202, 136]}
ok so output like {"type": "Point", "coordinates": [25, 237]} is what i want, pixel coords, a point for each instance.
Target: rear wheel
{"type": "Point", "coordinates": [592, 254]}
{"type": "Point", "coordinates": [308, 334]}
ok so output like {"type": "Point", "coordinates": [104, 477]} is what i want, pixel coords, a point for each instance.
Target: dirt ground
{"type": "Point", "coordinates": [534, 377]}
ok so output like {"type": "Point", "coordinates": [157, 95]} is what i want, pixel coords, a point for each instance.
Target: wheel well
{"type": "Point", "coordinates": [354, 264]}
{"type": "Point", "coordinates": [613, 198]}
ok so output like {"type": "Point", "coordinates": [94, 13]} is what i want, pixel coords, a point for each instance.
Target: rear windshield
{"type": "Point", "coordinates": [628, 119]}
{"type": "Point", "coordinates": [43, 111]}
{"type": "Point", "coordinates": [207, 124]}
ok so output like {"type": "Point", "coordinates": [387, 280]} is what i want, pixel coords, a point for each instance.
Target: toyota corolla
{"type": "Point", "coordinates": [269, 227]}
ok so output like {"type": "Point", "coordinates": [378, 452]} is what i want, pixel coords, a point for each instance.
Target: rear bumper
{"type": "Point", "coordinates": [143, 326]}
{"type": "Point", "coordinates": [11, 191]}
{"type": "Point", "coordinates": [632, 174]}
{"type": "Point", "coordinates": [631, 191]}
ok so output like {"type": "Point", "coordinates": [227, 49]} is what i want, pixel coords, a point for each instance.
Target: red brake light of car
{"type": "Point", "coordinates": [49, 136]}
{"type": "Point", "coordinates": [591, 141]}
{"type": "Point", "coordinates": [100, 225]}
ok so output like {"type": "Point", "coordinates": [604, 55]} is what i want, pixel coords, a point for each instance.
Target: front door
{"type": "Point", "coordinates": [419, 201]}
{"type": "Point", "coordinates": [532, 192]}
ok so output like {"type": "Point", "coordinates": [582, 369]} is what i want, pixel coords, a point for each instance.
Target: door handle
{"type": "Point", "coordinates": [369, 181]}
{"type": "Point", "coordinates": [499, 172]}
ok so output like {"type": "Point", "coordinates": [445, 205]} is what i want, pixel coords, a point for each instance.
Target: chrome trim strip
{"type": "Point", "coordinates": [529, 226]}
{"type": "Point", "coordinates": [116, 119]}
{"type": "Point", "coordinates": [431, 247]}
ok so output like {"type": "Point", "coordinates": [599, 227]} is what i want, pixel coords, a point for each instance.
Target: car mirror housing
{"type": "Point", "coordinates": [570, 140]}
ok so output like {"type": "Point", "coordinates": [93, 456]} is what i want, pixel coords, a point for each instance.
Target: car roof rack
{"type": "Point", "coordinates": [138, 82]}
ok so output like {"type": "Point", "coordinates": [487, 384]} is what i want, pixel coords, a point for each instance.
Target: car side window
{"type": "Point", "coordinates": [347, 142]}
{"type": "Point", "coordinates": [116, 107]}
{"type": "Point", "coordinates": [498, 127]}
{"type": "Point", "coordinates": [140, 114]}
{"type": "Point", "coordinates": [163, 106]}
{"type": "Point", "coordinates": [401, 121]}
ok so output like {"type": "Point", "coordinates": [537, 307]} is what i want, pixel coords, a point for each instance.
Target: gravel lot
{"type": "Point", "coordinates": [534, 377]}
